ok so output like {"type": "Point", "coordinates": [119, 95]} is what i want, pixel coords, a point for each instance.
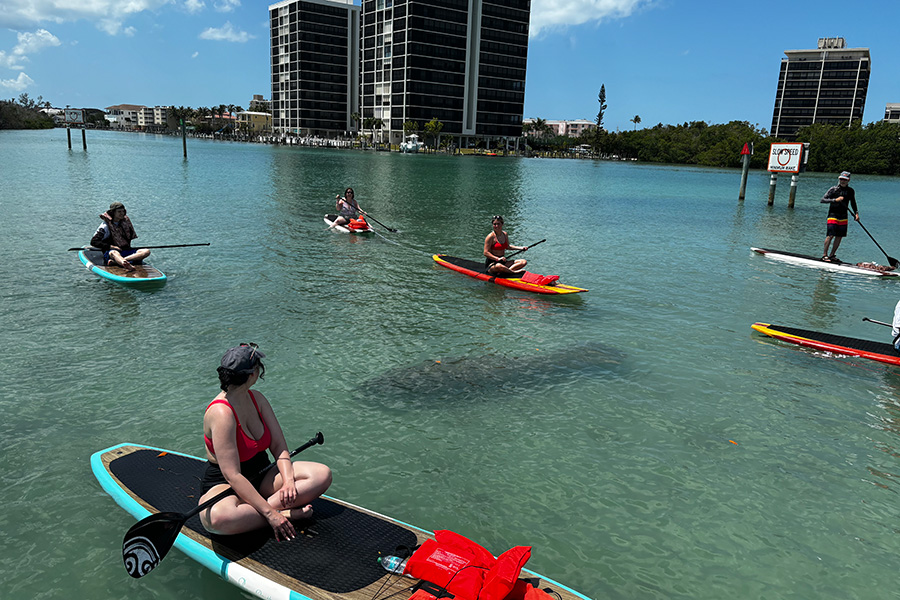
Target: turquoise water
{"type": "Point", "coordinates": [597, 428]}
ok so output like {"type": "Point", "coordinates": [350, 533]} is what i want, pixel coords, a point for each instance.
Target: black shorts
{"type": "Point", "coordinates": [249, 469]}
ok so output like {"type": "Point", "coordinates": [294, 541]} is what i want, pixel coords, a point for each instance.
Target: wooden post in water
{"type": "Point", "coordinates": [83, 140]}
{"type": "Point", "coordinates": [772, 181]}
{"type": "Point", "coordinates": [183, 138]}
{"type": "Point", "coordinates": [69, 136]}
{"type": "Point", "coordinates": [794, 180]}
{"type": "Point", "coordinates": [745, 157]}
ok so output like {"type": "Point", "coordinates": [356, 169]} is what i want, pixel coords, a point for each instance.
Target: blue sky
{"type": "Point", "coordinates": [669, 61]}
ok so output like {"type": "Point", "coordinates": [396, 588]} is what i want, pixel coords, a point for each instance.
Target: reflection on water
{"type": "Point", "coordinates": [822, 309]}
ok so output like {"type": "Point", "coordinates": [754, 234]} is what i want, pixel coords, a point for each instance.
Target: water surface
{"type": "Point", "coordinates": [641, 437]}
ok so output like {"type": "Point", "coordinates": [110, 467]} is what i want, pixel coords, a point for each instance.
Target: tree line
{"type": "Point", "coordinates": [873, 148]}
{"type": "Point", "coordinates": [24, 113]}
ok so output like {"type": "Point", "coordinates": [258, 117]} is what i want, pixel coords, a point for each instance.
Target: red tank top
{"type": "Point", "coordinates": [246, 445]}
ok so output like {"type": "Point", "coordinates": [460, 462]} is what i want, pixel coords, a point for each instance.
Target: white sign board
{"type": "Point", "coordinates": [785, 158]}
{"type": "Point", "coordinates": [75, 116]}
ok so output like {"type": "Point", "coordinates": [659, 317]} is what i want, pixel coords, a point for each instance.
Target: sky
{"type": "Point", "coordinates": [666, 61]}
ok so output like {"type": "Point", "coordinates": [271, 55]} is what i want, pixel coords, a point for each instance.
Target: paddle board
{"type": "Point", "coordinates": [334, 557]}
{"type": "Point", "coordinates": [477, 270]}
{"type": "Point", "coordinates": [143, 275]}
{"type": "Point", "coordinates": [329, 219]}
{"type": "Point", "coordinates": [846, 346]}
{"type": "Point", "coordinates": [812, 261]}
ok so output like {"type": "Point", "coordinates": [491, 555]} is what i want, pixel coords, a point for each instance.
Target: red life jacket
{"type": "Point", "coordinates": [358, 224]}
{"type": "Point", "coordinates": [465, 569]}
{"type": "Point", "coordinates": [539, 279]}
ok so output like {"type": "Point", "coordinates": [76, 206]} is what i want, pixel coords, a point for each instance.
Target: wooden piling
{"type": "Point", "coordinates": [772, 181]}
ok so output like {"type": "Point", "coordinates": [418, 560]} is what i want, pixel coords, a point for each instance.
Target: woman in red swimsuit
{"type": "Point", "coordinates": [238, 427]}
{"type": "Point", "coordinates": [495, 246]}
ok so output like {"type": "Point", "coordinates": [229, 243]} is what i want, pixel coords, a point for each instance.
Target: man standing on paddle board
{"type": "Point", "coordinates": [838, 198]}
{"type": "Point", "coordinates": [114, 237]}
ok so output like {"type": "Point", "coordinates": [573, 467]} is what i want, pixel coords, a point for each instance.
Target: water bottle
{"type": "Point", "coordinates": [394, 564]}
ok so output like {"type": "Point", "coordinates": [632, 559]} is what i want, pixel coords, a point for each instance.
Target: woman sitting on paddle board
{"type": "Point", "coordinates": [495, 246]}
{"type": "Point", "coordinates": [348, 208]}
{"type": "Point", "coordinates": [114, 237]}
{"type": "Point", "coordinates": [238, 427]}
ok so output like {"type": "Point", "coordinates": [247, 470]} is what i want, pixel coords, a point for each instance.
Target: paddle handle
{"type": "Point", "coordinates": [317, 439]}
{"type": "Point", "coordinates": [527, 248]}
{"type": "Point", "coordinates": [877, 322]}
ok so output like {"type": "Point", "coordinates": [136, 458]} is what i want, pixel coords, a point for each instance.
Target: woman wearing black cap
{"type": "Point", "coordinates": [238, 427]}
{"type": "Point", "coordinates": [114, 237]}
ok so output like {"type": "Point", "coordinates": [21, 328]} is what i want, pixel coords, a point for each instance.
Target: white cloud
{"type": "Point", "coordinates": [18, 84]}
{"type": "Point", "coordinates": [226, 33]}
{"type": "Point", "coordinates": [557, 14]}
{"type": "Point", "coordinates": [227, 5]}
{"type": "Point", "coordinates": [29, 43]}
{"type": "Point", "coordinates": [22, 13]}
{"type": "Point", "coordinates": [195, 55]}
{"type": "Point", "coordinates": [114, 27]}
{"type": "Point", "coordinates": [194, 6]}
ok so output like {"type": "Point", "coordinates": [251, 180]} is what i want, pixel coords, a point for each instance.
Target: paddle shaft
{"type": "Point", "coordinates": [318, 439]}
{"type": "Point", "coordinates": [154, 247]}
{"type": "Point", "coordinates": [526, 248]}
{"type": "Point", "coordinates": [894, 262]}
{"type": "Point", "coordinates": [391, 229]}
{"type": "Point", "coordinates": [877, 322]}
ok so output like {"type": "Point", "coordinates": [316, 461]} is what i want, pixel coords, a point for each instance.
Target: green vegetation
{"type": "Point", "coordinates": [872, 149]}
{"type": "Point", "coordinates": [24, 113]}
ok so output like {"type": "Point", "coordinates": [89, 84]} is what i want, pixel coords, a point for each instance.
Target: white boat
{"type": "Point", "coordinates": [812, 261]}
{"type": "Point", "coordinates": [412, 144]}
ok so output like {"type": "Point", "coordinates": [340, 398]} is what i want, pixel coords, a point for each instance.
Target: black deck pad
{"type": "Point", "coordinates": [478, 267]}
{"type": "Point", "coordinates": [795, 255]}
{"type": "Point", "coordinates": [338, 552]}
{"type": "Point", "coordinates": [839, 340]}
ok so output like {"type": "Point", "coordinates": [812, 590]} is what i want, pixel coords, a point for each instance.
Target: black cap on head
{"type": "Point", "coordinates": [242, 359]}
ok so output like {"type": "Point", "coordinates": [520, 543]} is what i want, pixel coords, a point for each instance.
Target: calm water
{"type": "Point", "coordinates": [598, 429]}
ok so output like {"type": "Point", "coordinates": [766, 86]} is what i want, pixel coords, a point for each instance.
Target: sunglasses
{"type": "Point", "coordinates": [254, 347]}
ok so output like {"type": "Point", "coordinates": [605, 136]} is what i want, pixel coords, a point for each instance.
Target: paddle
{"type": "Point", "coordinates": [526, 248]}
{"type": "Point", "coordinates": [894, 262]}
{"type": "Point", "coordinates": [391, 229]}
{"type": "Point", "coordinates": [154, 247]}
{"type": "Point", "coordinates": [877, 322]}
{"type": "Point", "coordinates": [149, 540]}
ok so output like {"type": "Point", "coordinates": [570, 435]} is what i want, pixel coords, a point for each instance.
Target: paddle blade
{"type": "Point", "coordinates": [894, 262]}
{"type": "Point", "coordinates": [149, 540]}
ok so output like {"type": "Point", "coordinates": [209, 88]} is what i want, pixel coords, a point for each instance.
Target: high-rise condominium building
{"type": "Point", "coordinates": [315, 66]}
{"type": "Point", "coordinates": [825, 85]}
{"type": "Point", "coordinates": [461, 62]}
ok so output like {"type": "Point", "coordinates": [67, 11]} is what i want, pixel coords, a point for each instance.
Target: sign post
{"type": "Point", "coordinates": [745, 168]}
{"type": "Point", "coordinates": [75, 116]}
{"type": "Point", "coordinates": [785, 158]}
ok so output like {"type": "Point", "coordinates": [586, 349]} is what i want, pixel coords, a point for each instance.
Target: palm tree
{"type": "Point", "coordinates": [636, 120]}
{"type": "Point", "coordinates": [377, 124]}
{"type": "Point", "coordinates": [221, 110]}
{"type": "Point", "coordinates": [369, 123]}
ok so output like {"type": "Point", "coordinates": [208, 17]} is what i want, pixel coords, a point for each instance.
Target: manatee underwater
{"type": "Point", "coordinates": [479, 376]}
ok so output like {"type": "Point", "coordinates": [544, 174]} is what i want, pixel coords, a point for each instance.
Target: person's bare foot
{"type": "Point", "coordinates": [127, 266]}
{"type": "Point", "coordinates": [299, 514]}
